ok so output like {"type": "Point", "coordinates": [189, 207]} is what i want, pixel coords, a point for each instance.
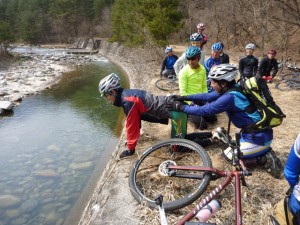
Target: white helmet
{"type": "Point", "coordinates": [108, 83]}
{"type": "Point", "coordinates": [200, 26]}
{"type": "Point", "coordinates": [250, 46]}
{"type": "Point", "coordinates": [226, 72]}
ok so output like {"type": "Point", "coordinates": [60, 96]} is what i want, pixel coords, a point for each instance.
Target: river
{"type": "Point", "coordinates": [54, 147]}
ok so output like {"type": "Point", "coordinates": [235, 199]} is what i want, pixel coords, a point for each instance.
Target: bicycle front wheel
{"type": "Point", "coordinates": [166, 84]}
{"type": "Point", "coordinates": [146, 179]}
{"type": "Point", "coordinates": [292, 77]}
{"type": "Point", "coordinates": [287, 85]}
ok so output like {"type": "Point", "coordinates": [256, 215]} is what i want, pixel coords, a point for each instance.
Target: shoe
{"type": "Point", "coordinates": [127, 153]}
{"type": "Point", "coordinates": [272, 164]}
{"type": "Point", "coordinates": [220, 135]}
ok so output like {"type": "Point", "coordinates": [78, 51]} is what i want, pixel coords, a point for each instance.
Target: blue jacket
{"type": "Point", "coordinates": [291, 173]}
{"type": "Point", "coordinates": [234, 104]}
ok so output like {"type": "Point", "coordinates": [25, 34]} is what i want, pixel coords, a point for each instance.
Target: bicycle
{"type": "Point", "coordinates": [169, 83]}
{"type": "Point", "coordinates": [165, 164]}
{"type": "Point", "coordinates": [290, 80]}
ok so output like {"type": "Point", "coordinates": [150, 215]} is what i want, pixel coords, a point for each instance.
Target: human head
{"type": "Point", "coordinates": [250, 48]}
{"type": "Point", "coordinates": [200, 28]}
{"type": "Point", "coordinates": [216, 50]}
{"type": "Point", "coordinates": [271, 53]}
{"type": "Point", "coordinates": [222, 76]}
{"type": "Point", "coordinates": [196, 39]}
{"type": "Point", "coordinates": [193, 55]}
{"type": "Point", "coordinates": [108, 86]}
{"type": "Point", "coordinates": [169, 50]}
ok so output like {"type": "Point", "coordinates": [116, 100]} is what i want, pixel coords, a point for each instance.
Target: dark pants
{"type": "Point", "coordinates": [153, 119]}
{"type": "Point", "coordinates": [201, 138]}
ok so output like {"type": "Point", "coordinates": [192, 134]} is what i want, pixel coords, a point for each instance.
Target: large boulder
{"type": "Point", "coordinates": [6, 105]}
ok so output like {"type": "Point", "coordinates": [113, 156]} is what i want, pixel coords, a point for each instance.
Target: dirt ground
{"type": "Point", "coordinates": [112, 202]}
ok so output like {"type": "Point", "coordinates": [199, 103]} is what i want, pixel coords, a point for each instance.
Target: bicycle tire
{"type": "Point", "coordinates": [146, 183]}
{"type": "Point", "coordinates": [292, 77]}
{"type": "Point", "coordinates": [288, 85]}
{"type": "Point", "coordinates": [166, 84]}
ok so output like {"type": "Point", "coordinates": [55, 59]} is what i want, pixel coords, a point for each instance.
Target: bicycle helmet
{"type": "Point", "coordinates": [196, 37]}
{"type": "Point", "coordinates": [250, 46]}
{"type": "Point", "coordinates": [108, 83]}
{"type": "Point", "coordinates": [226, 72]}
{"type": "Point", "coordinates": [200, 26]}
{"type": "Point", "coordinates": [272, 51]}
{"type": "Point", "coordinates": [192, 51]}
{"type": "Point", "coordinates": [216, 47]}
{"type": "Point", "coordinates": [168, 49]}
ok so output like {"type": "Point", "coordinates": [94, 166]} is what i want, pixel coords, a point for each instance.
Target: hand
{"type": "Point", "coordinates": [178, 98]}
{"type": "Point", "coordinates": [175, 106]}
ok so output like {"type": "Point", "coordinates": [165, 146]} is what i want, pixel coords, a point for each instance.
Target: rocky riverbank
{"type": "Point", "coordinates": [34, 72]}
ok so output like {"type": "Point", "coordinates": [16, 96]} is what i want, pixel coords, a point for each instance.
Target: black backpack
{"type": "Point", "coordinates": [258, 93]}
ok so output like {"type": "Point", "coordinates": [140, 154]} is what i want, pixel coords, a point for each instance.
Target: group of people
{"type": "Point", "coordinates": [195, 77]}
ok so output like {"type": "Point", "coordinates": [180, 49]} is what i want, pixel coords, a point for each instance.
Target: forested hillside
{"type": "Point", "coordinates": [267, 23]}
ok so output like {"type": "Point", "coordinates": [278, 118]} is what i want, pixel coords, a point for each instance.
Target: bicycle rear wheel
{"type": "Point", "coordinates": [146, 181]}
{"type": "Point", "coordinates": [292, 76]}
{"type": "Point", "coordinates": [287, 85]}
{"type": "Point", "coordinates": [167, 84]}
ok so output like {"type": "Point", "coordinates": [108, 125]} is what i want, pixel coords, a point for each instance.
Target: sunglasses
{"type": "Point", "coordinates": [191, 58]}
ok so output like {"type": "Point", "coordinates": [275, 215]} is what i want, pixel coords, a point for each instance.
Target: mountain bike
{"type": "Point", "coordinates": [181, 170]}
{"type": "Point", "coordinates": [285, 64]}
{"type": "Point", "coordinates": [290, 80]}
{"type": "Point", "coordinates": [169, 83]}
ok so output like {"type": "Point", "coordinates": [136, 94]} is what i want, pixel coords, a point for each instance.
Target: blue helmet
{"type": "Point", "coordinates": [216, 47]}
{"type": "Point", "coordinates": [192, 51]}
{"type": "Point", "coordinates": [196, 37]}
{"type": "Point", "coordinates": [168, 49]}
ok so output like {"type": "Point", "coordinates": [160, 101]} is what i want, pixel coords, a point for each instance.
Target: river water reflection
{"type": "Point", "coordinates": [52, 145]}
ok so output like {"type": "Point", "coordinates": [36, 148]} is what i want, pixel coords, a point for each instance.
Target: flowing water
{"type": "Point", "coordinates": [53, 149]}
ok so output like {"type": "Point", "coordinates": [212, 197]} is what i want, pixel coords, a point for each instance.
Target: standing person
{"type": "Point", "coordinates": [200, 29]}
{"type": "Point", "coordinates": [268, 64]}
{"type": "Point", "coordinates": [195, 40]}
{"type": "Point", "coordinates": [287, 211]}
{"type": "Point", "coordinates": [224, 58]}
{"type": "Point", "coordinates": [192, 80]}
{"type": "Point", "coordinates": [167, 67]}
{"type": "Point", "coordinates": [248, 64]}
{"type": "Point", "coordinates": [255, 145]}
{"type": "Point", "coordinates": [137, 105]}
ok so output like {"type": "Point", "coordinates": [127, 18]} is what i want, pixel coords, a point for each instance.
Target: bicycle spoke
{"type": "Point", "coordinates": [147, 180]}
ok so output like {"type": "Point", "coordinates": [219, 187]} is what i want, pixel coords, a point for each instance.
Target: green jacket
{"type": "Point", "coordinates": [192, 81]}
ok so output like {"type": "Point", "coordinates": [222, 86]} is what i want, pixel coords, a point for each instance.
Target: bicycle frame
{"type": "Point", "coordinates": [229, 175]}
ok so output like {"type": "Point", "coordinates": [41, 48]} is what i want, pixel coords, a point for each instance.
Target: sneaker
{"type": "Point", "coordinates": [272, 164]}
{"type": "Point", "coordinates": [126, 153]}
{"type": "Point", "coordinates": [220, 135]}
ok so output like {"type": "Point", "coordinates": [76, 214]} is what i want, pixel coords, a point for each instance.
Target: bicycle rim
{"type": "Point", "coordinates": [288, 85]}
{"type": "Point", "coordinates": [292, 77]}
{"type": "Point", "coordinates": [146, 182]}
{"type": "Point", "coordinates": [167, 84]}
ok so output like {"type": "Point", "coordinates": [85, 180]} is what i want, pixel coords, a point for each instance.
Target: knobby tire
{"type": "Point", "coordinates": [146, 182]}
{"type": "Point", "coordinates": [292, 77]}
{"type": "Point", "coordinates": [287, 85]}
{"type": "Point", "coordinates": [166, 84]}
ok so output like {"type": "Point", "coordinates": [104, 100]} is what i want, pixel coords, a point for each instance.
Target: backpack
{"type": "Point", "coordinates": [258, 93]}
